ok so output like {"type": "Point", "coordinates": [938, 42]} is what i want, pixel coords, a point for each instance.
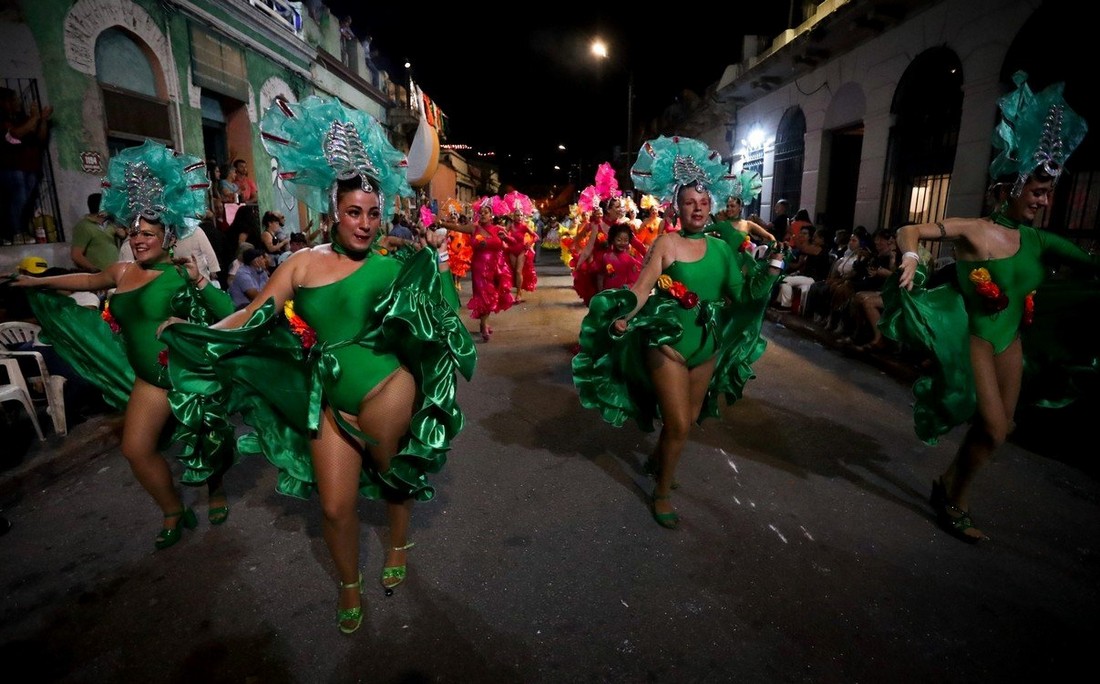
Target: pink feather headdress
{"type": "Point", "coordinates": [606, 184]}
{"type": "Point", "coordinates": [589, 199]}
{"type": "Point", "coordinates": [426, 216]}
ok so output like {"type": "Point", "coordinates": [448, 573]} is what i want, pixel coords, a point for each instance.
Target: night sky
{"type": "Point", "coordinates": [520, 87]}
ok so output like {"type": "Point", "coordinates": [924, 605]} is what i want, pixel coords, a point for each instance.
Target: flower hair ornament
{"type": "Point", "coordinates": [747, 186]}
{"type": "Point", "coordinates": [155, 183]}
{"type": "Point", "coordinates": [1037, 131]}
{"type": "Point", "coordinates": [667, 164]}
{"type": "Point", "coordinates": [321, 142]}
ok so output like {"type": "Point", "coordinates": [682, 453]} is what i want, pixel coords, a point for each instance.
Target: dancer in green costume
{"type": "Point", "coordinates": [977, 329]}
{"type": "Point", "coordinates": [381, 344]}
{"type": "Point", "coordinates": [160, 195]}
{"type": "Point", "coordinates": [669, 353]}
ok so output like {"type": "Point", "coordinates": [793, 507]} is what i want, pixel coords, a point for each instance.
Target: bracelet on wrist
{"type": "Point", "coordinates": [911, 255]}
{"type": "Point", "coordinates": [442, 257]}
{"type": "Point", "coordinates": [777, 263]}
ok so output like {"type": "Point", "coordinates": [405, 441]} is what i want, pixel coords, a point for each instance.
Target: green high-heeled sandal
{"type": "Point", "coordinates": [667, 520]}
{"type": "Point", "coordinates": [395, 574]}
{"type": "Point", "coordinates": [352, 616]}
{"type": "Point", "coordinates": [218, 515]}
{"type": "Point", "coordinates": [170, 535]}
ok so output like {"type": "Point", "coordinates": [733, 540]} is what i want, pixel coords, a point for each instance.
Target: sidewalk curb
{"type": "Point", "coordinates": [57, 455]}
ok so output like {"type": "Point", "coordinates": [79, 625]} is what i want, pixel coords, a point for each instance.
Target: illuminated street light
{"type": "Point", "coordinates": [599, 49]}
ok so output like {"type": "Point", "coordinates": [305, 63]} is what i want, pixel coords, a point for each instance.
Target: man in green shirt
{"type": "Point", "coordinates": [95, 239]}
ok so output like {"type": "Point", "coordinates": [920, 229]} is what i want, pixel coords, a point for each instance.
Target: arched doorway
{"type": "Point", "coordinates": [927, 109]}
{"type": "Point", "coordinates": [790, 151]}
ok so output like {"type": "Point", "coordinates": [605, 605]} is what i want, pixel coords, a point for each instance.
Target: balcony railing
{"type": "Point", "coordinates": [282, 11]}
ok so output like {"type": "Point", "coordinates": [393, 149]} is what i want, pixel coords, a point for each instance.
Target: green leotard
{"type": "Point", "coordinates": [610, 371]}
{"type": "Point", "coordinates": [112, 361]}
{"type": "Point", "coordinates": [140, 312]}
{"type": "Point", "coordinates": [392, 311]}
{"type": "Point", "coordinates": [1058, 360]}
{"type": "Point", "coordinates": [713, 278]}
{"type": "Point", "coordinates": [336, 314]}
{"type": "Point", "coordinates": [1016, 276]}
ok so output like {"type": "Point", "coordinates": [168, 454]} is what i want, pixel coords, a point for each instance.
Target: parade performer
{"type": "Point", "coordinates": [491, 277]}
{"type": "Point", "coordinates": [375, 345]}
{"type": "Point", "coordinates": [602, 201]}
{"type": "Point", "coordinates": [161, 196]}
{"type": "Point", "coordinates": [999, 333]}
{"type": "Point", "coordinates": [519, 252]}
{"type": "Point", "coordinates": [665, 348]}
{"type": "Point", "coordinates": [458, 247]}
{"type": "Point", "coordinates": [746, 188]}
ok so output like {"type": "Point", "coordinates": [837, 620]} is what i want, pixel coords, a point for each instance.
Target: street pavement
{"type": "Point", "coordinates": [807, 551]}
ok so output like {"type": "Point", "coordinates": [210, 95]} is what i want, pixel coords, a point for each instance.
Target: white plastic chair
{"type": "Point", "coordinates": [14, 333]}
{"type": "Point", "coordinates": [16, 390]}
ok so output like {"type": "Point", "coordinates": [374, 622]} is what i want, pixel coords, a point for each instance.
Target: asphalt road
{"type": "Point", "coordinates": [806, 553]}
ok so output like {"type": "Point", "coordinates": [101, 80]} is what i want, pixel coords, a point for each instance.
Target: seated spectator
{"type": "Point", "coordinates": [865, 305]}
{"type": "Point", "coordinates": [400, 228]}
{"type": "Point", "coordinates": [820, 297]}
{"type": "Point", "coordinates": [297, 242]}
{"type": "Point", "coordinates": [273, 243]}
{"type": "Point", "coordinates": [810, 265]}
{"type": "Point", "coordinates": [13, 300]}
{"type": "Point", "coordinates": [228, 190]}
{"type": "Point", "coordinates": [250, 279]}
{"type": "Point", "coordinates": [237, 263]}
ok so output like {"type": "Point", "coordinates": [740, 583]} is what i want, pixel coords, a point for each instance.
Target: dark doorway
{"type": "Point", "coordinates": [845, 152]}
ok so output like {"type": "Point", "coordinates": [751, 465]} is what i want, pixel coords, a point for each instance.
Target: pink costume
{"type": "Point", "coordinates": [621, 269]}
{"type": "Point", "coordinates": [490, 275]}
{"type": "Point", "coordinates": [523, 242]}
{"type": "Point", "coordinates": [584, 274]}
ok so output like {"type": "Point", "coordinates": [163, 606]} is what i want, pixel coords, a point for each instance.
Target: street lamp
{"type": "Point", "coordinates": [600, 51]}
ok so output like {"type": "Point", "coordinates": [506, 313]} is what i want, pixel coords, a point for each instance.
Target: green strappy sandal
{"type": "Point", "coordinates": [952, 519]}
{"type": "Point", "coordinates": [668, 520]}
{"type": "Point", "coordinates": [352, 616]}
{"type": "Point", "coordinates": [170, 535]}
{"type": "Point", "coordinates": [395, 574]}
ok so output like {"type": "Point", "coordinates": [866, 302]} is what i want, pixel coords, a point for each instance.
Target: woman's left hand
{"type": "Point", "coordinates": [192, 266]}
{"type": "Point", "coordinates": [171, 321]}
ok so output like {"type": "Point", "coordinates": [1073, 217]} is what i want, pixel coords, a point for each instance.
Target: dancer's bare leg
{"type": "Point", "coordinates": [336, 464]}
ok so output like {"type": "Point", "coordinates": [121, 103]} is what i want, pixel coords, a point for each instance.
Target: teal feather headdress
{"type": "Point", "coordinates": [667, 164]}
{"type": "Point", "coordinates": [157, 184]}
{"type": "Point", "coordinates": [747, 186]}
{"type": "Point", "coordinates": [1037, 131]}
{"type": "Point", "coordinates": [319, 142]}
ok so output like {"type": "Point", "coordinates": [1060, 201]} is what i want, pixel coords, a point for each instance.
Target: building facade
{"type": "Point", "coordinates": [196, 75]}
{"type": "Point", "coordinates": [880, 114]}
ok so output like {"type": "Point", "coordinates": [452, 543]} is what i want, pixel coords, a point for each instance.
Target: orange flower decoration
{"type": "Point", "coordinates": [995, 300]}
{"type": "Point", "coordinates": [601, 237]}
{"type": "Point", "coordinates": [1029, 308]}
{"type": "Point", "coordinates": [299, 327]}
{"type": "Point", "coordinates": [610, 269]}
{"type": "Point", "coordinates": [110, 319]}
{"type": "Point", "coordinates": [678, 291]}
{"type": "Point", "coordinates": [746, 244]}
